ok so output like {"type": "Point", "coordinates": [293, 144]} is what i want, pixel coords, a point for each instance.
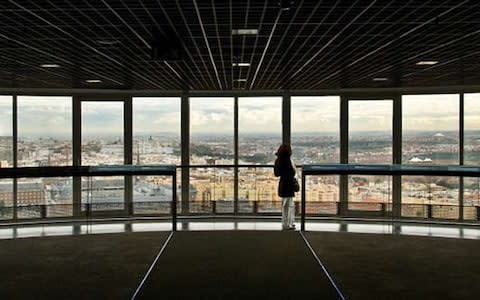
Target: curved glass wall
{"type": "Point", "coordinates": [241, 134]}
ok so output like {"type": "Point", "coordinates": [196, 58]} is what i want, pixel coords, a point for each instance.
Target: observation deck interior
{"type": "Point", "coordinates": [138, 138]}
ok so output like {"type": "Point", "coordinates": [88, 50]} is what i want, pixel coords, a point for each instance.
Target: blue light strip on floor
{"type": "Point", "coordinates": [340, 294]}
{"type": "Point", "coordinates": [151, 267]}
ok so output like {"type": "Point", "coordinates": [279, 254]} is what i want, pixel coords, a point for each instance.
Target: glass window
{"type": "Point", "coordinates": [44, 131]}
{"type": "Point", "coordinates": [259, 129]}
{"type": "Point", "coordinates": [471, 195]}
{"type": "Point", "coordinates": [102, 144]}
{"type": "Point", "coordinates": [6, 132]}
{"type": "Point", "coordinates": [430, 129]}
{"type": "Point", "coordinates": [211, 131]}
{"type": "Point", "coordinates": [6, 156]}
{"type": "Point", "coordinates": [472, 129]}
{"type": "Point", "coordinates": [430, 136]}
{"type": "Point", "coordinates": [156, 130]}
{"type": "Point", "coordinates": [259, 135]}
{"type": "Point", "coordinates": [471, 198]}
{"type": "Point", "coordinates": [211, 143]}
{"type": "Point", "coordinates": [156, 140]}
{"type": "Point", "coordinates": [370, 142]}
{"type": "Point", "coordinates": [316, 139]}
{"type": "Point", "coordinates": [315, 129]}
{"type": "Point", "coordinates": [44, 139]}
{"type": "Point", "coordinates": [6, 199]}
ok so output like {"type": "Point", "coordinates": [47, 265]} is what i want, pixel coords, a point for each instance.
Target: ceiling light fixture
{"type": "Point", "coordinates": [50, 66]}
{"type": "Point", "coordinates": [240, 64]}
{"type": "Point", "coordinates": [108, 42]}
{"type": "Point", "coordinates": [93, 81]}
{"type": "Point", "coordinates": [427, 62]}
{"type": "Point", "coordinates": [285, 5]}
{"type": "Point", "coordinates": [244, 31]}
{"type": "Point", "coordinates": [241, 80]}
{"type": "Point", "coordinates": [380, 79]}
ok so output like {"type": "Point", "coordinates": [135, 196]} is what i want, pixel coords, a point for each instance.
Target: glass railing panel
{"type": "Point", "coordinates": [259, 184]}
{"type": "Point", "coordinates": [209, 185]}
{"type": "Point", "coordinates": [370, 193]}
{"type": "Point", "coordinates": [224, 206]}
{"type": "Point", "coordinates": [246, 207]}
{"type": "Point", "coordinates": [59, 210]}
{"type": "Point", "coordinates": [322, 194]}
{"type": "Point", "coordinates": [44, 197]}
{"type": "Point", "coordinates": [440, 192]}
{"type": "Point", "coordinates": [322, 208]}
{"type": "Point", "coordinates": [471, 198]}
{"type": "Point", "coordinates": [179, 190]}
{"type": "Point", "coordinates": [445, 211]}
{"type": "Point", "coordinates": [6, 199]}
{"type": "Point", "coordinates": [414, 210]}
{"type": "Point", "coordinates": [201, 207]}
{"type": "Point", "coordinates": [268, 207]}
{"type": "Point", "coordinates": [59, 196]}
{"type": "Point", "coordinates": [152, 194]}
{"type": "Point", "coordinates": [30, 198]}
{"type": "Point", "coordinates": [103, 193]}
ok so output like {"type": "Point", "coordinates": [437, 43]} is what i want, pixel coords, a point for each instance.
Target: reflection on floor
{"type": "Point", "coordinates": [396, 228]}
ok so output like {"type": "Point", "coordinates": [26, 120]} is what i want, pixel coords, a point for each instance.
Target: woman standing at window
{"type": "Point", "coordinates": [286, 186]}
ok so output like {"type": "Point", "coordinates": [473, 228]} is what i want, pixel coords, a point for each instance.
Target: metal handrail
{"type": "Point", "coordinates": [68, 171]}
{"type": "Point", "coordinates": [89, 171]}
{"type": "Point", "coordinates": [394, 169]}
{"type": "Point", "coordinates": [226, 166]}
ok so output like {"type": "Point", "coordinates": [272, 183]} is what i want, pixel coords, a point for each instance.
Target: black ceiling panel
{"type": "Point", "coordinates": [311, 45]}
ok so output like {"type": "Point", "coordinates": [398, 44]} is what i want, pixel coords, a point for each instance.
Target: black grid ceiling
{"type": "Point", "coordinates": [313, 45]}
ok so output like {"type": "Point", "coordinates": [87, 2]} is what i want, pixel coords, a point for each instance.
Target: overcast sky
{"type": "Point", "coordinates": [41, 115]}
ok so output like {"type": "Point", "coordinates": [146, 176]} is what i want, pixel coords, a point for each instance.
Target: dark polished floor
{"type": "Point", "coordinates": [242, 264]}
{"type": "Point", "coordinates": [227, 223]}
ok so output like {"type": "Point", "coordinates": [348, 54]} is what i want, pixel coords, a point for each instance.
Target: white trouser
{"type": "Point", "coordinates": [288, 212]}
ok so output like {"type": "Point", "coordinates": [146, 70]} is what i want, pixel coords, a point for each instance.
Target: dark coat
{"type": "Point", "coordinates": [284, 168]}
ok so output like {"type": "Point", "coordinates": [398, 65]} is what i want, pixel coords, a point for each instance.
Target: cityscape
{"type": "Point", "coordinates": [429, 137]}
{"type": "Point", "coordinates": [207, 184]}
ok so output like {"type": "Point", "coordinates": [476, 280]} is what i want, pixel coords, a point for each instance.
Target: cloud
{"type": "Point", "coordinates": [44, 115]}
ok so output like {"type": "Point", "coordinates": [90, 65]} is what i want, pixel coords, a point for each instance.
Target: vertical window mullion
{"type": "Point", "coordinates": [343, 153]}
{"type": "Point", "coordinates": [397, 155]}
{"type": "Point", "coordinates": [15, 152]}
{"type": "Point", "coordinates": [185, 144]}
{"type": "Point", "coordinates": [461, 142]}
{"type": "Point", "coordinates": [127, 152]}
{"type": "Point", "coordinates": [235, 154]}
{"type": "Point", "coordinates": [77, 153]}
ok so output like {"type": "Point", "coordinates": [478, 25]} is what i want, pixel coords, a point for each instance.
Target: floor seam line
{"type": "Point", "coordinates": [335, 286]}
{"type": "Point", "coordinates": [151, 267]}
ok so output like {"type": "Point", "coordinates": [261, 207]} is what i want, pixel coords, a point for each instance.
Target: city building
{"type": "Point", "coordinates": [214, 88]}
